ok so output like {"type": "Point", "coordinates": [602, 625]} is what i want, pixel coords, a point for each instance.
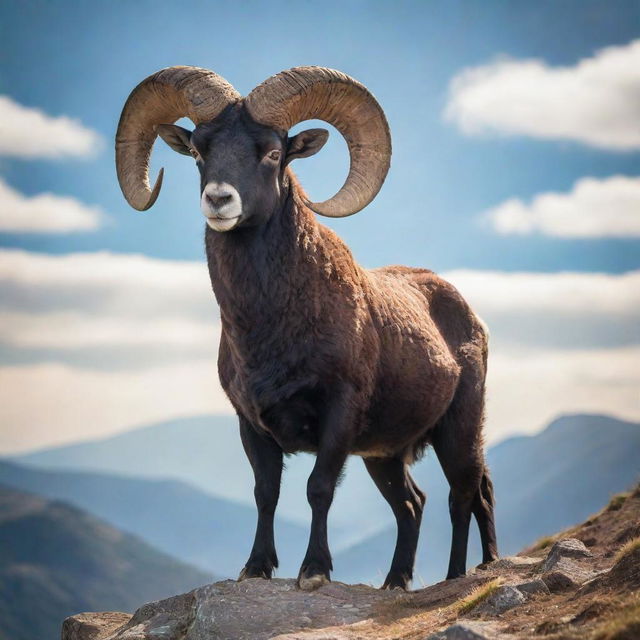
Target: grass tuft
{"type": "Point", "coordinates": [543, 543]}
{"type": "Point", "coordinates": [478, 595]}
{"type": "Point", "coordinates": [624, 625]}
{"type": "Point", "coordinates": [617, 501]}
{"type": "Point", "coordinates": [627, 548]}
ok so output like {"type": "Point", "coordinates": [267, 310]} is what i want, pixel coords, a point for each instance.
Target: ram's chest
{"type": "Point", "coordinates": [270, 371]}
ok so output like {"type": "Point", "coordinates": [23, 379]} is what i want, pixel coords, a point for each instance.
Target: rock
{"type": "Point", "coordinates": [557, 581]}
{"type": "Point", "coordinates": [568, 548]}
{"type": "Point", "coordinates": [253, 609]}
{"type": "Point", "coordinates": [567, 574]}
{"type": "Point", "coordinates": [93, 626]}
{"type": "Point", "coordinates": [514, 562]}
{"type": "Point", "coordinates": [531, 587]}
{"type": "Point", "coordinates": [470, 631]}
{"type": "Point", "coordinates": [501, 600]}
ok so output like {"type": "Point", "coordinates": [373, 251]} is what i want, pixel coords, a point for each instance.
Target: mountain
{"type": "Point", "coordinates": [543, 483]}
{"type": "Point", "coordinates": [56, 560]}
{"type": "Point", "coordinates": [211, 533]}
{"type": "Point", "coordinates": [206, 452]}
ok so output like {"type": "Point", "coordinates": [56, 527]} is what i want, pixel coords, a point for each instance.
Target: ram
{"type": "Point", "coordinates": [318, 354]}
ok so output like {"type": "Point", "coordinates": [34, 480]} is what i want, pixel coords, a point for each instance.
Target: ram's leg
{"type": "Point", "coordinates": [335, 439]}
{"type": "Point", "coordinates": [265, 457]}
{"type": "Point", "coordinates": [392, 478]}
{"type": "Point", "coordinates": [482, 508]}
{"type": "Point", "coordinates": [457, 440]}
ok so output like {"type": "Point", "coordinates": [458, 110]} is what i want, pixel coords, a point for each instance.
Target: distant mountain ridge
{"type": "Point", "coordinates": [56, 560]}
{"type": "Point", "coordinates": [543, 482]}
{"type": "Point", "coordinates": [206, 452]}
{"type": "Point", "coordinates": [211, 533]}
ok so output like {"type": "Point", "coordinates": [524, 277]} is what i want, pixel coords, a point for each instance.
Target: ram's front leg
{"type": "Point", "coordinates": [336, 435]}
{"type": "Point", "coordinates": [265, 456]}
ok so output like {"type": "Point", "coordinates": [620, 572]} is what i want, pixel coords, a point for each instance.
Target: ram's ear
{"type": "Point", "coordinates": [305, 144]}
{"type": "Point", "coordinates": [176, 137]}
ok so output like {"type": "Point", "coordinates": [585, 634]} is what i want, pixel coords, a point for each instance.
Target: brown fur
{"type": "Point", "coordinates": [318, 354]}
{"type": "Point", "coordinates": [300, 317]}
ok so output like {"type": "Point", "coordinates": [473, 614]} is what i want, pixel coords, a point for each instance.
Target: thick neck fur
{"type": "Point", "coordinates": [291, 265]}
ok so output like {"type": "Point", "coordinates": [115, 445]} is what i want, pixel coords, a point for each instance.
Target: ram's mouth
{"type": "Point", "coordinates": [220, 223]}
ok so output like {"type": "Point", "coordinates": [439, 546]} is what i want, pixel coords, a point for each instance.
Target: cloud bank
{"type": "Point", "coordinates": [26, 132]}
{"type": "Point", "coordinates": [594, 102]}
{"type": "Point", "coordinates": [109, 303]}
{"type": "Point", "coordinates": [608, 208]}
{"type": "Point", "coordinates": [45, 213]}
{"type": "Point", "coordinates": [96, 343]}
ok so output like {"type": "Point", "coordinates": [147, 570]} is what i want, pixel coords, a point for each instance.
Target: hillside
{"type": "Point", "coordinates": [582, 584]}
{"type": "Point", "coordinates": [56, 560]}
{"type": "Point", "coordinates": [211, 533]}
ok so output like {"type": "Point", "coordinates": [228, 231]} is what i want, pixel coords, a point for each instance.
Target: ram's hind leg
{"type": "Point", "coordinates": [482, 508]}
{"type": "Point", "coordinates": [265, 457]}
{"type": "Point", "coordinates": [457, 440]}
{"type": "Point", "coordinates": [392, 478]}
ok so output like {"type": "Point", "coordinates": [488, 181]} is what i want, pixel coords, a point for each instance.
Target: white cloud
{"type": "Point", "coordinates": [560, 310]}
{"type": "Point", "coordinates": [592, 209]}
{"type": "Point", "coordinates": [118, 340]}
{"type": "Point", "coordinates": [114, 309]}
{"type": "Point", "coordinates": [594, 102]}
{"type": "Point", "coordinates": [45, 213]}
{"type": "Point", "coordinates": [51, 403]}
{"type": "Point", "coordinates": [577, 294]}
{"type": "Point", "coordinates": [148, 330]}
{"type": "Point", "coordinates": [527, 388]}
{"type": "Point", "coordinates": [77, 330]}
{"type": "Point", "coordinates": [105, 284]}
{"type": "Point", "coordinates": [26, 132]}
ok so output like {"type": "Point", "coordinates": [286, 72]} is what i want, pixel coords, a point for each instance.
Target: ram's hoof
{"type": "Point", "coordinates": [312, 583]}
{"type": "Point", "coordinates": [251, 572]}
{"type": "Point", "coordinates": [398, 584]}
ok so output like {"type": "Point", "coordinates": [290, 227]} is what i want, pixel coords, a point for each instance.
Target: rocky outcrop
{"type": "Point", "coordinates": [566, 588]}
{"type": "Point", "coordinates": [252, 609]}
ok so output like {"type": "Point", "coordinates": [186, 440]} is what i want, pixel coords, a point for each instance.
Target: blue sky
{"type": "Point", "coordinates": [81, 60]}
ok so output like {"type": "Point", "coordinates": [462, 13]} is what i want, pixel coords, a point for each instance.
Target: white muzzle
{"type": "Point", "coordinates": [221, 205]}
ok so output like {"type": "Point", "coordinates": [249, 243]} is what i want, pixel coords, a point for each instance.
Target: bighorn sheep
{"type": "Point", "coordinates": [318, 354]}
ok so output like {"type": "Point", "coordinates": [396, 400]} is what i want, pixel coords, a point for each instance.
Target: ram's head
{"type": "Point", "coordinates": [241, 145]}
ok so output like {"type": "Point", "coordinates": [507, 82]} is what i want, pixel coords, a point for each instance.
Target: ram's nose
{"type": "Point", "coordinates": [221, 205]}
{"type": "Point", "coordinates": [218, 199]}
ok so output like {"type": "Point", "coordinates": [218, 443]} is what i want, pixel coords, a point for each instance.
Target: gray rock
{"type": "Point", "coordinates": [514, 562]}
{"type": "Point", "coordinates": [531, 587]}
{"type": "Point", "coordinates": [502, 599]}
{"type": "Point", "coordinates": [93, 626]}
{"type": "Point", "coordinates": [567, 574]}
{"type": "Point", "coordinates": [470, 631]}
{"type": "Point", "coordinates": [253, 609]}
{"type": "Point", "coordinates": [568, 548]}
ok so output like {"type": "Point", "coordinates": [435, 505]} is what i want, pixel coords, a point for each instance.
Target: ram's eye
{"type": "Point", "coordinates": [274, 155]}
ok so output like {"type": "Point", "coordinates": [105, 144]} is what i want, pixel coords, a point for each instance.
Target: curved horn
{"type": "Point", "coordinates": [305, 93]}
{"type": "Point", "coordinates": [163, 97]}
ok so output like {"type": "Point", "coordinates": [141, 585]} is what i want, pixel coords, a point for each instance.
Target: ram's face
{"type": "Point", "coordinates": [241, 165]}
